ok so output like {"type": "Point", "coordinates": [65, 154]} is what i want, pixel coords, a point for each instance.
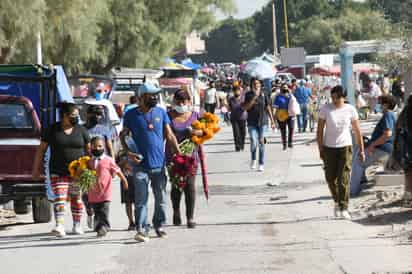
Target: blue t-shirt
{"type": "Point", "coordinates": [302, 95]}
{"type": "Point", "coordinates": [100, 130]}
{"type": "Point", "coordinates": [388, 121]}
{"type": "Point", "coordinates": [149, 142]}
{"type": "Point", "coordinates": [281, 102]}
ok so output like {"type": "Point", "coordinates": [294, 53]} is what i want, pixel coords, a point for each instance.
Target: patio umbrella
{"type": "Point", "coordinates": [203, 169]}
{"type": "Point", "coordinates": [260, 69]}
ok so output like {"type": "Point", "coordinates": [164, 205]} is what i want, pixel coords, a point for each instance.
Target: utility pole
{"type": "Point", "coordinates": [275, 37]}
{"type": "Point", "coordinates": [39, 49]}
{"type": "Point", "coordinates": [285, 16]}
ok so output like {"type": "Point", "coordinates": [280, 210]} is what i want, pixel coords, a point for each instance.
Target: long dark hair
{"type": "Point", "coordinates": [66, 108]}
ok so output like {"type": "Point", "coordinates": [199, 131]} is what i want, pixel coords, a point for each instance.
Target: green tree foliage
{"type": "Point", "coordinates": [89, 35]}
{"type": "Point", "coordinates": [320, 26]}
{"type": "Point", "coordinates": [237, 40]}
{"type": "Point", "coordinates": [19, 19]}
{"type": "Point", "coordinates": [397, 10]}
{"type": "Point", "coordinates": [71, 31]}
{"type": "Point", "coordinates": [319, 35]}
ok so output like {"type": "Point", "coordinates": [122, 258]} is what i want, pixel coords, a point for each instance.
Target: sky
{"type": "Point", "coordinates": [246, 8]}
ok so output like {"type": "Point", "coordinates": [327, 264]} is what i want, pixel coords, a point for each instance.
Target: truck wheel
{"type": "Point", "coordinates": [20, 207]}
{"type": "Point", "coordinates": [41, 210]}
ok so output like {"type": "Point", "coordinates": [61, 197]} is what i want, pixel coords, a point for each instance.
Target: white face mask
{"type": "Point", "coordinates": [182, 109]}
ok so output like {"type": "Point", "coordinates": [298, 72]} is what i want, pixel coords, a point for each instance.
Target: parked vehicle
{"type": "Point", "coordinates": [28, 101]}
{"type": "Point", "coordinates": [128, 80]}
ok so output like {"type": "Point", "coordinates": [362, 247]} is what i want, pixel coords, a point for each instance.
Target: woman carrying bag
{"type": "Point", "coordinates": [286, 107]}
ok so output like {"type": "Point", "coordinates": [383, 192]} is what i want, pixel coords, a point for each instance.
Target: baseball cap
{"type": "Point", "coordinates": [148, 88]}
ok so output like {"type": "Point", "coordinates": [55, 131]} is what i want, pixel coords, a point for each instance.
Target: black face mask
{"type": "Point", "coordinates": [97, 152]}
{"type": "Point", "coordinates": [94, 120]}
{"type": "Point", "coordinates": [237, 95]}
{"type": "Point", "coordinates": [74, 120]}
{"type": "Point", "coordinates": [151, 102]}
{"type": "Point", "coordinates": [285, 91]}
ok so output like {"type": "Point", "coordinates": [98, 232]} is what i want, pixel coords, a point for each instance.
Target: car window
{"type": "Point", "coordinates": [15, 116]}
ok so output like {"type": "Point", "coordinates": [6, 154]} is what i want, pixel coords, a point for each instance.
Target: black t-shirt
{"type": "Point", "coordinates": [65, 148]}
{"type": "Point", "coordinates": [258, 115]}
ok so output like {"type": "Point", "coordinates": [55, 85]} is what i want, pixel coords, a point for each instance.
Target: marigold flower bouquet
{"type": "Point", "coordinates": [84, 177]}
{"type": "Point", "coordinates": [184, 165]}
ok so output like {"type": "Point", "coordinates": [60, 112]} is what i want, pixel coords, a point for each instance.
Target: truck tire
{"type": "Point", "coordinates": [21, 207]}
{"type": "Point", "coordinates": [41, 210]}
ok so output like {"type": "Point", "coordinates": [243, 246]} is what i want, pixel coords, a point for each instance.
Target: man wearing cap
{"type": "Point", "coordinates": [149, 126]}
{"type": "Point", "coordinates": [303, 94]}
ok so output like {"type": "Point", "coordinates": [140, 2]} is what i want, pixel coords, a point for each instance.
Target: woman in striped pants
{"type": "Point", "coordinates": [68, 141]}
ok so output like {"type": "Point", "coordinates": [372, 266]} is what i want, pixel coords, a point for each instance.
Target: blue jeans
{"type": "Point", "coordinates": [257, 136]}
{"type": "Point", "coordinates": [358, 168]}
{"type": "Point", "coordinates": [158, 180]}
{"type": "Point", "coordinates": [303, 117]}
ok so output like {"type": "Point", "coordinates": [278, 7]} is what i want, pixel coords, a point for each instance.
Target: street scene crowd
{"type": "Point", "coordinates": [152, 137]}
{"type": "Point", "coordinates": [301, 151]}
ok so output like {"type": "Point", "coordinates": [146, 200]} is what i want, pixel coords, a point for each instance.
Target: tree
{"type": "Point", "coordinates": [71, 31]}
{"type": "Point", "coordinates": [320, 26]}
{"type": "Point", "coordinates": [326, 35]}
{"type": "Point", "coordinates": [94, 36]}
{"type": "Point", "coordinates": [233, 41]}
{"type": "Point", "coordinates": [19, 20]}
{"type": "Point", "coordinates": [143, 32]}
{"type": "Point", "coordinates": [397, 10]}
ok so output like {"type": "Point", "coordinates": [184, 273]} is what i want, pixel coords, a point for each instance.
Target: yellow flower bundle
{"type": "Point", "coordinates": [85, 178]}
{"type": "Point", "coordinates": [209, 124]}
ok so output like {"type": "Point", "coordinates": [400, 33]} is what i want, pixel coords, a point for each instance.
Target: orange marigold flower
{"type": "Point", "coordinates": [197, 125]}
{"type": "Point", "coordinates": [216, 130]}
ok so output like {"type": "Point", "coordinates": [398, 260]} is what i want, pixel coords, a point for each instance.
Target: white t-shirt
{"type": "Point", "coordinates": [338, 125]}
{"type": "Point", "coordinates": [375, 90]}
{"type": "Point", "coordinates": [210, 96]}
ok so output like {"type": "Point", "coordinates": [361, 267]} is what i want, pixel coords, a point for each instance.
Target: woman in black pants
{"type": "Point", "coordinates": [285, 120]}
{"type": "Point", "coordinates": [238, 119]}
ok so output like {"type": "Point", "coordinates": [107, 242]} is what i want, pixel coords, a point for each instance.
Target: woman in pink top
{"type": "Point", "coordinates": [100, 195]}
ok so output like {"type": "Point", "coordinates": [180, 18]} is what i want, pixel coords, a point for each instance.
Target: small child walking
{"type": "Point", "coordinates": [100, 195]}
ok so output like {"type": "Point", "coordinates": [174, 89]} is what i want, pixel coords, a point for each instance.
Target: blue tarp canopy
{"type": "Point", "coordinates": [189, 63]}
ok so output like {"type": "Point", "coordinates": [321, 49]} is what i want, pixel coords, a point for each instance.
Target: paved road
{"type": "Point", "coordinates": [247, 227]}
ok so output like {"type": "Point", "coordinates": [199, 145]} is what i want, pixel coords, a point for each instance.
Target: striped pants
{"type": "Point", "coordinates": [64, 188]}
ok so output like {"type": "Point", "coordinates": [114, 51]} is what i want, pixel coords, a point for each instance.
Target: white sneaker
{"type": "Point", "coordinates": [253, 164]}
{"type": "Point", "coordinates": [337, 212]}
{"type": "Point", "coordinates": [90, 222]}
{"type": "Point", "coordinates": [77, 229]}
{"type": "Point", "coordinates": [261, 168]}
{"type": "Point", "coordinates": [346, 215]}
{"type": "Point", "coordinates": [59, 231]}
{"type": "Point", "coordinates": [141, 237]}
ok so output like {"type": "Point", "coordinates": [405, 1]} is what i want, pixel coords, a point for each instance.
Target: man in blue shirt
{"type": "Point", "coordinates": [303, 94]}
{"type": "Point", "coordinates": [380, 146]}
{"type": "Point", "coordinates": [149, 125]}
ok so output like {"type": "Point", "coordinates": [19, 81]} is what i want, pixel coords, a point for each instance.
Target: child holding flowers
{"type": "Point", "coordinates": [100, 193]}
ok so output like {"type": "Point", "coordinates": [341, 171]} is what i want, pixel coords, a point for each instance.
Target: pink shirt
{"type": "Point", "coordinates": [105, 169]}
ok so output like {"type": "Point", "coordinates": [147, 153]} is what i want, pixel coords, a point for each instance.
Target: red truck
{"type": "Point", "coordinates": [28, 101]}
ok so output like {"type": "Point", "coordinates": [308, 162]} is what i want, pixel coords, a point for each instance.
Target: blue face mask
{"type": "Point", "coordinates": [182, 109]}
{"type": "Point", "coordinates": [99, 96]}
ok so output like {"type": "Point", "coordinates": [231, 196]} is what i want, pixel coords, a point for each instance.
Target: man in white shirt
{"type": "Point", "coordinates": [211, 99]}
{"type": "Point", "coordinates": [336, 122]}
{"type": "Point", "coordinates": [373, 95]}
